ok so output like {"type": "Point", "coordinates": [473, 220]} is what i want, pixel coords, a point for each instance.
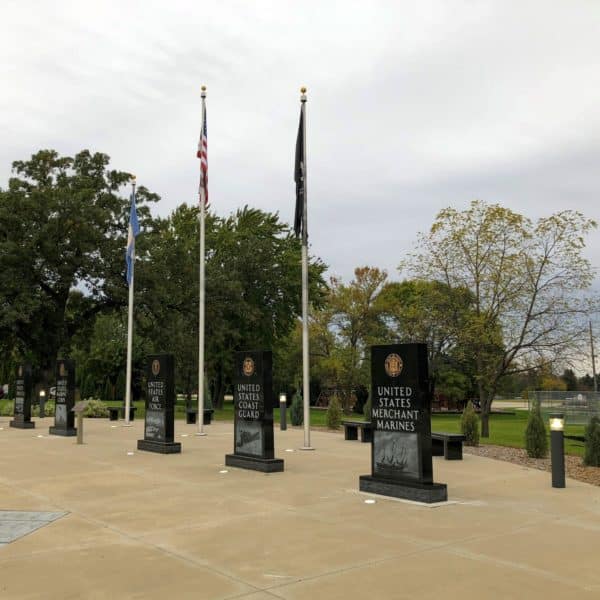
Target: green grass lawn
{"type": "Point", "coordinates": [508, 430]}
{"type": "Point", "coordinates": [505, 430]}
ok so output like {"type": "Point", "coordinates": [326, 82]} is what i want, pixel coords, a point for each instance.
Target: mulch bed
{"type": "Point", "coordinates": [573, 464]}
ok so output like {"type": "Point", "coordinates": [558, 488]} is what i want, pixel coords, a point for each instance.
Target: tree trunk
{"type": "Point", "coordinates": [219, 391]}
{"type": "Point", "coordinates": [483, 400]}
{"type": "Point", "coordinates": [485, 420]}
{"type": "Point", "coordinates": [486, 408]}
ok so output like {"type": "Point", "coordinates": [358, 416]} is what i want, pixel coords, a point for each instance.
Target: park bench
{"type": "Point", "coordinates": [448, 445]}
{"type": "Point", "coordinates": [113, 413]}
{"type": "Point", "coordinates": [192, 413]}
{"type": "Point", "coordinates": [351, 430]}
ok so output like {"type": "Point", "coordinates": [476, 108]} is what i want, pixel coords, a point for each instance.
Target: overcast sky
{"type": "Point", "coordinates": [412, 106]}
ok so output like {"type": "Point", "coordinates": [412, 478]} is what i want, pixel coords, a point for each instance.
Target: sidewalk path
{"type": "Point", "coordinates": [149, 526]}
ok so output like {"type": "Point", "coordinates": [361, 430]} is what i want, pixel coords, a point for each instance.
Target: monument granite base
{"type": "Point", "coordinates": [62, 431]}
{"type": "Point", "coordinates": [264, 465]}
{"type": "Point", "coordinates": [159, 447]}
{"type": "Point", "coordinates": [415, 491]}
{"type": "Point", "coordinates": [22, 424]}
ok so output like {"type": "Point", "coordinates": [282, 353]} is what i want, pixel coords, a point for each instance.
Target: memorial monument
{"type": "Point", "coordinates": [64, 418]}
{"type": "Point", "coordinates": [23, 390]}
{"type": "Point", "coordinates": [253, 405]}
{"type": "Point", "coordinates": [401, 463]}
{"type": "Point", "coordinates": [159, 424]}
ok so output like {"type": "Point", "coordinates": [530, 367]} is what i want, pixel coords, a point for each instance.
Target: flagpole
{"type": "Point", "coordinates": [200, 419]}
{"type": "Point", "coordinates": [130, 327]}
{"type": "Point", "coordinates": [305, 348]}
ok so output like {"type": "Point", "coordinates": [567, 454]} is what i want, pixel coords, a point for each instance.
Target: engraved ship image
{"type": "Point", "coordinates": [391, 463]}
{"type": "Point", "coordinates": [246, 437]}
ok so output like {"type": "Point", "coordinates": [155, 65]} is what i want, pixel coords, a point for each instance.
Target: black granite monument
{"type": "Point", "coordinates": [253, 399]}
{"type": "Point", "coordinates": [159, 425]}
{"type": "Point", "coordinates": [23, 389]}
{"type": "Point", "coordinates": [64, 418]}
{"type": "Point", "coordinates": [401, 463]}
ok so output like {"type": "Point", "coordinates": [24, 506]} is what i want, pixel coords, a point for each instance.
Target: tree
{"type": "Point", "coordinates": [526, 280]}
{"type": "Point", "coordinates": [104, 354]}
{"type": "Point", "coordinates": [430, 312]}
{"type": "Point", "coordinates": [107, 392]}
{"type": "Point", "coordinates": [551, 382]}
{"type": "Point", "coordinates": [585, 383]}
{"type": "Point", "coordinates": [570, 379]}
{"type": "Point", "coordinates": [88, 387]}
{"type": "Point", "coordinates": [355, 322]}
{"type": "Point", "coordinates": [62, 225]}
{"type": "Point", "coordinates": [433, 313]}
{"type": "Point", "coordinates": [120, 386]}
{"type": "Point", "coordinates": [108, 348]}
{"type": "Point", "coordinates": [253, 289]}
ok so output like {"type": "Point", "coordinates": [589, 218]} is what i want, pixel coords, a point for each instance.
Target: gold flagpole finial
{"type": "Point", "coordinates": [203, 94]}
{"type": "Point", "coordinates": [303, 94]}
{"type": "Point", "coordinates": [133, 179]}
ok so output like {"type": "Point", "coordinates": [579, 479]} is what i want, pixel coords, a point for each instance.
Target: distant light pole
{"type": "Point", "coordinates": [42, 404]}
{"type": "Point", "coordinates": [557, 449]}
{"type": "Point", "coordinates": [282, 411]}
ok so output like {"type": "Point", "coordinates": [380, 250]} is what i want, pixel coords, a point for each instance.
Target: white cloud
{"type": "Point", "coordinates": [413, 106]}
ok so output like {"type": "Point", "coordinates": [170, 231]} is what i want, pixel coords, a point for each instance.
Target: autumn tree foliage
{"type": "Point", "coordinates": [528, 282]}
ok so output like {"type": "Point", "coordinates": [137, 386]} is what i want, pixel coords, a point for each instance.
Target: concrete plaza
{"type": "Point", "coordinates": [143, 525]}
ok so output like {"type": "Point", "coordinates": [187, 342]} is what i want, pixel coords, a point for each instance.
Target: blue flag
{"type": "Point", "coordinates": [134, 229]}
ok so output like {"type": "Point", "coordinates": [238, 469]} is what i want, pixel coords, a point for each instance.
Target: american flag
{"type": "Point", "coordinates": [202, 154]}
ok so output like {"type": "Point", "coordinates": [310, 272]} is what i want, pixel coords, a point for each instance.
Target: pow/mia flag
{"type": "Point", "coordinates": [299, 177]}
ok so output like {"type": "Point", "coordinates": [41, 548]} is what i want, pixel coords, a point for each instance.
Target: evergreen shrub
{"type": "Point", "coordinates": [469, 425]}
{"type": "Point", "coordinates": [591, 456]}
{"type": "Point", "coordinates": [297, 409]}
{"type": "Point", "coordinates": [333, 418]}
{"type": "Point", "coordinates": [536, 441]}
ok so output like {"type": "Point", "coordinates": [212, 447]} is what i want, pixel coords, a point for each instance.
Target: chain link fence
{"type": "Point", "coordinates": [578, 407]}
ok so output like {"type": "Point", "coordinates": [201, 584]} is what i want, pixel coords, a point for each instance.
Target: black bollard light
{"type": "Point", "coordinates": [282, 412]}
{"type": "Point", "coordinates": [42, 404]}
{"type": "Point", "coordinates": [557, 449]}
